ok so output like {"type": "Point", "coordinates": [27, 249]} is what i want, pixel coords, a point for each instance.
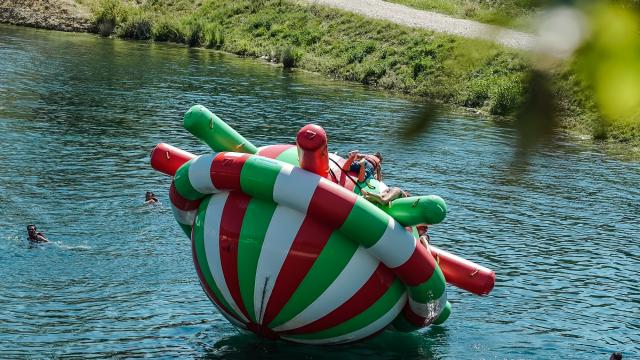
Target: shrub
{"type": "Point", "coordinates": [106, 27]}
{"type": "Point", "coordinates": [505, 98]}
{"type": "Point", "coordinates": [476, 94]}
{"type": "Point", "coordinates": [138, 27]}
{"type": "Point", "coordinates": [213, 36]}
{"type": "Point", "coordinates": [108, 14]}
{"type": "Point", "coordinates": [241, 47]}
{"type": "Point", "coordinates": [358, 52]}
{"type": "Point", "coordinates": [168, 30]}
{"type": "Point", "coordinates": [599, 131]}
{"type": "Point", "coordinates": [194, 34]}
{"type": "Point", "coordinates": [289, 57]}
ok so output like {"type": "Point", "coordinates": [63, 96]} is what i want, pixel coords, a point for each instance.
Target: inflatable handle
{"type": "Point", "coordinates": [415, 210]}
{"type": "Point", "coordinates": [463, 273]}
{"type": "Point", "coordinates": [207, 127]}
{"type": "Point", "coordinates": [167, 159]}
{"type": "Point", "coordinates": [312, 150]}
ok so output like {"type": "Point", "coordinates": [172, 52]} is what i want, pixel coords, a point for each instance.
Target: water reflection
{"type": "Point", "coordinates": [387, 345]}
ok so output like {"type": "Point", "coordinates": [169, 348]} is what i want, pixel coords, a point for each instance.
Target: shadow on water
{"type": "Point", "coordinates": [387, 345]}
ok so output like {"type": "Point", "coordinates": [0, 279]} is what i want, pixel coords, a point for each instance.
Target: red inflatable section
{"type": "Point", "coordinates": [463, 273]}
{"type": "Point", "coordinates": [167, 159]}
{"type": "Point", "coordinates": [312, 150]}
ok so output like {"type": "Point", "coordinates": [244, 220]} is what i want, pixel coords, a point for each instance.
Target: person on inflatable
{"type": "Point", "coordinates": [35, 236]}
{"type": "Point", "coordinates": [386, 196]}
{"type": "Point", "coordinates": [365, 165]}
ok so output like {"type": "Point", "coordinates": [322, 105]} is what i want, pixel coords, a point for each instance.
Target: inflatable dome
{"type": "Point", "coordinates": [286, 247]}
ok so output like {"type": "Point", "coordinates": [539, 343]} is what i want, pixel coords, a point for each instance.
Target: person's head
{"type": "Point", "coordinates": [149, 195]}
{"type": "Point", "coordinates": [31, 230]}
{"type": "Point", "coordinates": [378, 155]}
{"type": "Point", "coordinates": [616, 356]}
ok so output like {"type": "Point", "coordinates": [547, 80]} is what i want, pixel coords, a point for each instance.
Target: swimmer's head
{"type": "Point", "coordinates": [31, 229]}
{"type": "Point", "coordinates": [148, 195]}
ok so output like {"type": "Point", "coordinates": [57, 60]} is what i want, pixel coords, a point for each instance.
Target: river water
{"type": "Point", "coordinates": [79, 115]}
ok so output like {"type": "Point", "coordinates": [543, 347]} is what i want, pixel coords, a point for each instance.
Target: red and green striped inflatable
{"type": "Point", "coordinates": [286, 248]}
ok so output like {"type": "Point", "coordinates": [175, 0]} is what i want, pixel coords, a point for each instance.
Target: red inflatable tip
{"type": "Point", "coordinates": [167, 159]}
{"type": "Point", "coordinates": [312, 149]}
{"type": "Point", "coordinates": [463, 273]}
{"type": "Point", "coordinates": [311, 137]}
{"type": "Point", "coordinates": [491, 281]}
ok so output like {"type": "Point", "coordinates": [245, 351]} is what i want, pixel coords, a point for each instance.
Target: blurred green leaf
{"type": "Point", "coordinates": [610, 62]}
{"type": "Point", "coordinates": [422, 120]}
{"type": "Point", "coordinates": [536, 120]}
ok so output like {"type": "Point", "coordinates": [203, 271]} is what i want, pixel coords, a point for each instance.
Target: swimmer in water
{"type": "Point", "coordinates": [35, 236]}
{"type": "Point", "coordinates": [150, 198]}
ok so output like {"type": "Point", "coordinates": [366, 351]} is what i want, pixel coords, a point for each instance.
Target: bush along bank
{"type": "Point", "coordinates": [454, 70]}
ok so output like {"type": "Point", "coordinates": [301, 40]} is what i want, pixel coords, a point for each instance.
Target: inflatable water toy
{"type": "Point", "coordinates": [285, 246]}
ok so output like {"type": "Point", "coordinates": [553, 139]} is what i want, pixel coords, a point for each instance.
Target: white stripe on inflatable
{"type": "Point", "coordinates": [395, 246]}
{"type": "Point", "coordinates": [358, 270]}
{"type": "Point", "coordinates": [184, 217]}
{"type": "Point", "coordinates": [363, 332]}
{"type": "Point", "coordinates": [430, 310]}
{"type": "Point", "coordinates": [294, 187]}
{"type": "Point", "coordinates": [280, 234]}
{"type": "Point", "coordinates": [200, 174]}
{"type": "Point", "coordinates": [212, 247]}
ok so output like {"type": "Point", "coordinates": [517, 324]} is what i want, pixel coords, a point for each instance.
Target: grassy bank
{"type": "Point", "coordinates": [445, 68]}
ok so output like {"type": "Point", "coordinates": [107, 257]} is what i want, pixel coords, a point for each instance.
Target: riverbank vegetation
{"type": "Point", "coordinates": [470, 73]}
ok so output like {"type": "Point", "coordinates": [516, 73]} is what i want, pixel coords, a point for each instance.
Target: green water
{"type": "Point", "coordinates": [79, 115]}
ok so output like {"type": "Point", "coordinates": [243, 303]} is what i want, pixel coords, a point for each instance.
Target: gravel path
{"type": "Point", "coordinates": [404, 15]}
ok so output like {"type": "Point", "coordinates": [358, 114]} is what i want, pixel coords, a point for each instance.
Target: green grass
{"type": "Point", "coordinates": [341, 45]}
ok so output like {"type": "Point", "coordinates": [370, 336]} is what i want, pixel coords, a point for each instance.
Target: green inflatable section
{"type": "Point", "coordinates": [409, 211]}
{"type": "Point", "coordinates": [415, 210]}
{"type": "Point", "coordinates": [207, 127]}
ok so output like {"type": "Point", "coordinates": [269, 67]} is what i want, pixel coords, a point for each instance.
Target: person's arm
{"type": "Point", "coordinates": [378, 173]}
{"type": "Point", "coordinates": [362, 168]}
{"type": "Point", "coordinates": [350, 159]}
{"type": "Point", "coordinates": [391, 194]}
{"type": "Point", "coordinates": [41, 238]}
{"type": "Point", "coordinates": [424, 240]}
{"type": "Point", "coordinates": [374, 198]}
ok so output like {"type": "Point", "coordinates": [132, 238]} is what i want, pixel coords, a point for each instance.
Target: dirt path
{"type": "Point", "coordinates": [404, 15]}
